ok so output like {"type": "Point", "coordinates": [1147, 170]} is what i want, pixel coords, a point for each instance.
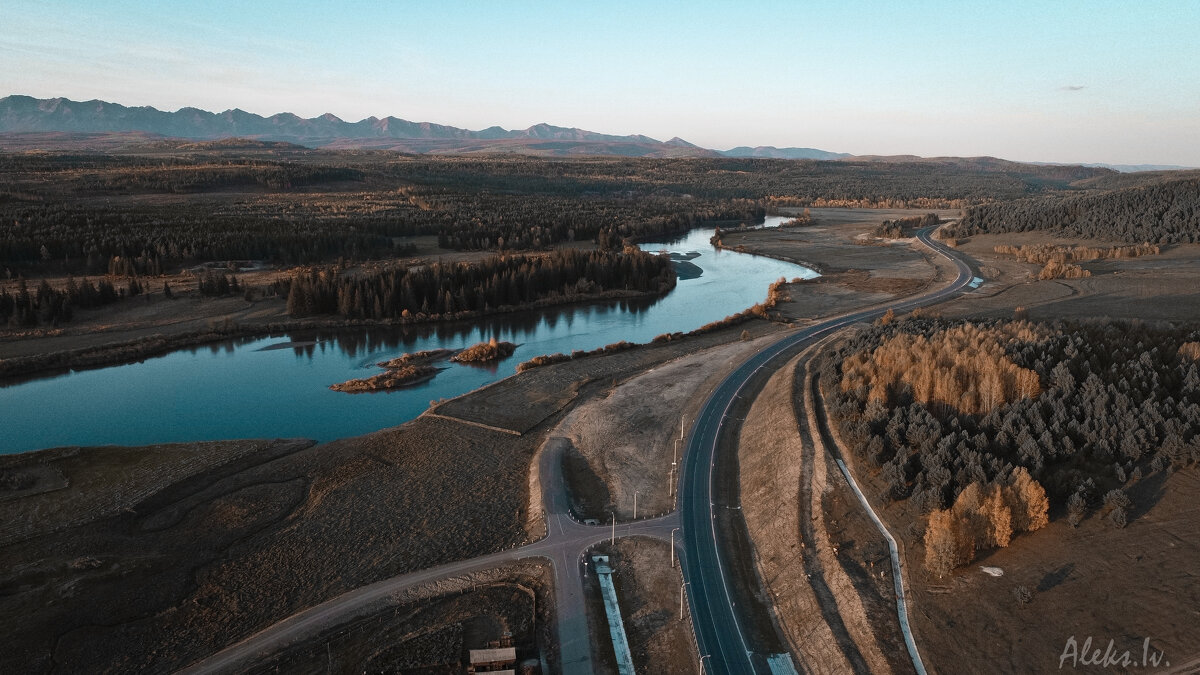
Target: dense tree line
{"type": "Point", "coordinates": [82, 213]}
{"type": "Point", "coordinates": [904, 227]}
{"type": "Point", "coordinates": [1044, 253]}
{"type": "Point", "coordinates": [1114, 401]}
{"type": "Point", "coordinates": [1160, 213]}
{"type": "Point", "coordinates": [459, 289]}
{"type": "Point", "coordinates": [218, 285]}
{"type": "Point", "coordinates": [51, 306]}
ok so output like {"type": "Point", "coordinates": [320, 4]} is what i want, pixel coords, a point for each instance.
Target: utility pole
{"type": "Point", "coordinates": [681, 589]}
{"type": "Point", "coordinates": [673, 548]}
{"type": "Point", "coordinates": [613, 541]}
{"type": "Point", "coordinates": [635, 493]}
{"type": "Point", "coordinates": [674, 465]}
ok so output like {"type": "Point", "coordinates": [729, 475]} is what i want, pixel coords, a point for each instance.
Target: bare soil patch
{"type": "Point", "coordinates": [820, 559]}
{"type": "Point", "coordinates": [1095, 581]}
{"type": "Point", "coordinates": [629, 444]}
{"type": "Point", "coordinates": [518, 404]}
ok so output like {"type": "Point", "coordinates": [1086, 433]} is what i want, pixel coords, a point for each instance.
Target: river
{"type": "Point", "coordinates": [252, 388]}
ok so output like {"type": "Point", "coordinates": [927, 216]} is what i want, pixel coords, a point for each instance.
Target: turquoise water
{"type": "Point", "coordinates": [238, 389]}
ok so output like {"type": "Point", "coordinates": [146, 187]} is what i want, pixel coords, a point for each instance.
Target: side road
{"type": "Point", "coordinates": [565, 545]}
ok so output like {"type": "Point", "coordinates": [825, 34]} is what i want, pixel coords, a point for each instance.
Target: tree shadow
{"type": "Point", "coordinates": [1055, 577]}
{"type": "Point", "coordinates": [1146, 492]}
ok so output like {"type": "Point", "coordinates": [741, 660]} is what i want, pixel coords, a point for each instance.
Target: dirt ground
{"type": "Point", "coordinates": [1157, 287]}
{"type": "Point", "coordinates": [1096, 581]}
{"type": "Point", "coordinates": [434, 633]}
{"type": "Point", "coordinates": [648, 593]}
{"type": "Point", "coordinates": [629, 445]}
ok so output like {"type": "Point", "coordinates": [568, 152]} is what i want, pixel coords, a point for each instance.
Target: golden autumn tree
{"type": "Point", "coordinates": [1028, 502]}
{"type": "Point", "coordinates": [942, 545]}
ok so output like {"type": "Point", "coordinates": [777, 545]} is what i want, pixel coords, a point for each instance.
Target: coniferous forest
{"type": "Point", "coordinates": [462, 289]}
{"type": "Point", "coordinates": [947, 409]}
{"type": "Point", "coordinates": [1160, 213]}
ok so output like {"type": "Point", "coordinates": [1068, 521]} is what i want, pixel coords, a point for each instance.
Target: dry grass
{"type": "Point", "coordinates": [816, 552]}
{"type": "Point", "coordinates": [393, 378]}
{"type": "Point", "coordinates": [435, 630]}
{"type": "Point", "coordinates": [216, 557]}
{"type": "Point", "coordinates": [629, 445]}
{"type": "Point", "coordinates": [492, 350]}
{"type": "Point", "coordinates": [1158, 287]}
{"type": "Point", "coordinates": [648, 592]}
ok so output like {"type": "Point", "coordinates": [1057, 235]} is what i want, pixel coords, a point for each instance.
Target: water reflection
{"type": "Point", "coordinates": [277, 386]}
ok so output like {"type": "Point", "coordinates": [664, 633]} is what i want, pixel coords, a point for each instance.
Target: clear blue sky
{"type": "Point", "coordinates": [1051, 80]}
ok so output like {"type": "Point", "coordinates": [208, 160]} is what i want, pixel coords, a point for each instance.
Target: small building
{"type": "Point", "coordinates": [492, 660]}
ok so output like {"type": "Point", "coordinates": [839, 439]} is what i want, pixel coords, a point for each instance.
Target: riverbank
{"type": "Point", "coordinates": [855, 270]}
{"type": "Point", "coordinates": [240, 544]}
{"type": "Point", "coordinates": [135, 338]}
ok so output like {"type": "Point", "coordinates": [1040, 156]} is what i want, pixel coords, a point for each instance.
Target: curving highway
{"type": "Point", "coordinates": [722, 640]}
{"type": "Point", "coordinates": [723, 645]}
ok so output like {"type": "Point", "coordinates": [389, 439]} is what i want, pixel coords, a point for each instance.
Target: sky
{"type": "Point", "coordinates": [1053, 80]}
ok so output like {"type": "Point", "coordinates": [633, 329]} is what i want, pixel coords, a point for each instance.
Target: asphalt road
{"type": "Point", "coordinates": [723, 646]}
{"type": "Point", "coordinates": [723, 642]}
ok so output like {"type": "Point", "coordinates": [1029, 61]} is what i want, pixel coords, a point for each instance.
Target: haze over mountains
{"type": "Point", "coordinates": [31, 123]}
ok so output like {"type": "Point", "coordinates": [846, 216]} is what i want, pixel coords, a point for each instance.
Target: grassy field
{"type": "Point", "coordinates": [186, 566]}
{"type": "Point", "coordinates": [1162, 287]}
{"type": "Point", "coordinates": [856, 270]}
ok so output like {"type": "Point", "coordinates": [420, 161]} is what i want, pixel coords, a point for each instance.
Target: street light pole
{"type": "Point", "coordinates": [613, 541]}
{"type": "Point", "coordinates": [635, 494]}
{"type": "Point", "coordinates": [673, 547]}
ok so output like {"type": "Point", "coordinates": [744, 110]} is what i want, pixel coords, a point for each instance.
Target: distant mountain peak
{"type": "Point", "coordinates": [772, 152]}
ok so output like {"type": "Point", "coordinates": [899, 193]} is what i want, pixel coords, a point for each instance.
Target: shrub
{"type": "Point", "coordinates": [1076, 509]}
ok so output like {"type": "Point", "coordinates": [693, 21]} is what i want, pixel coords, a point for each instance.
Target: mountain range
{"type": "Point", "coordinates": [28, 123]}
{"type": "Point", "coordinates": [66, 120]}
